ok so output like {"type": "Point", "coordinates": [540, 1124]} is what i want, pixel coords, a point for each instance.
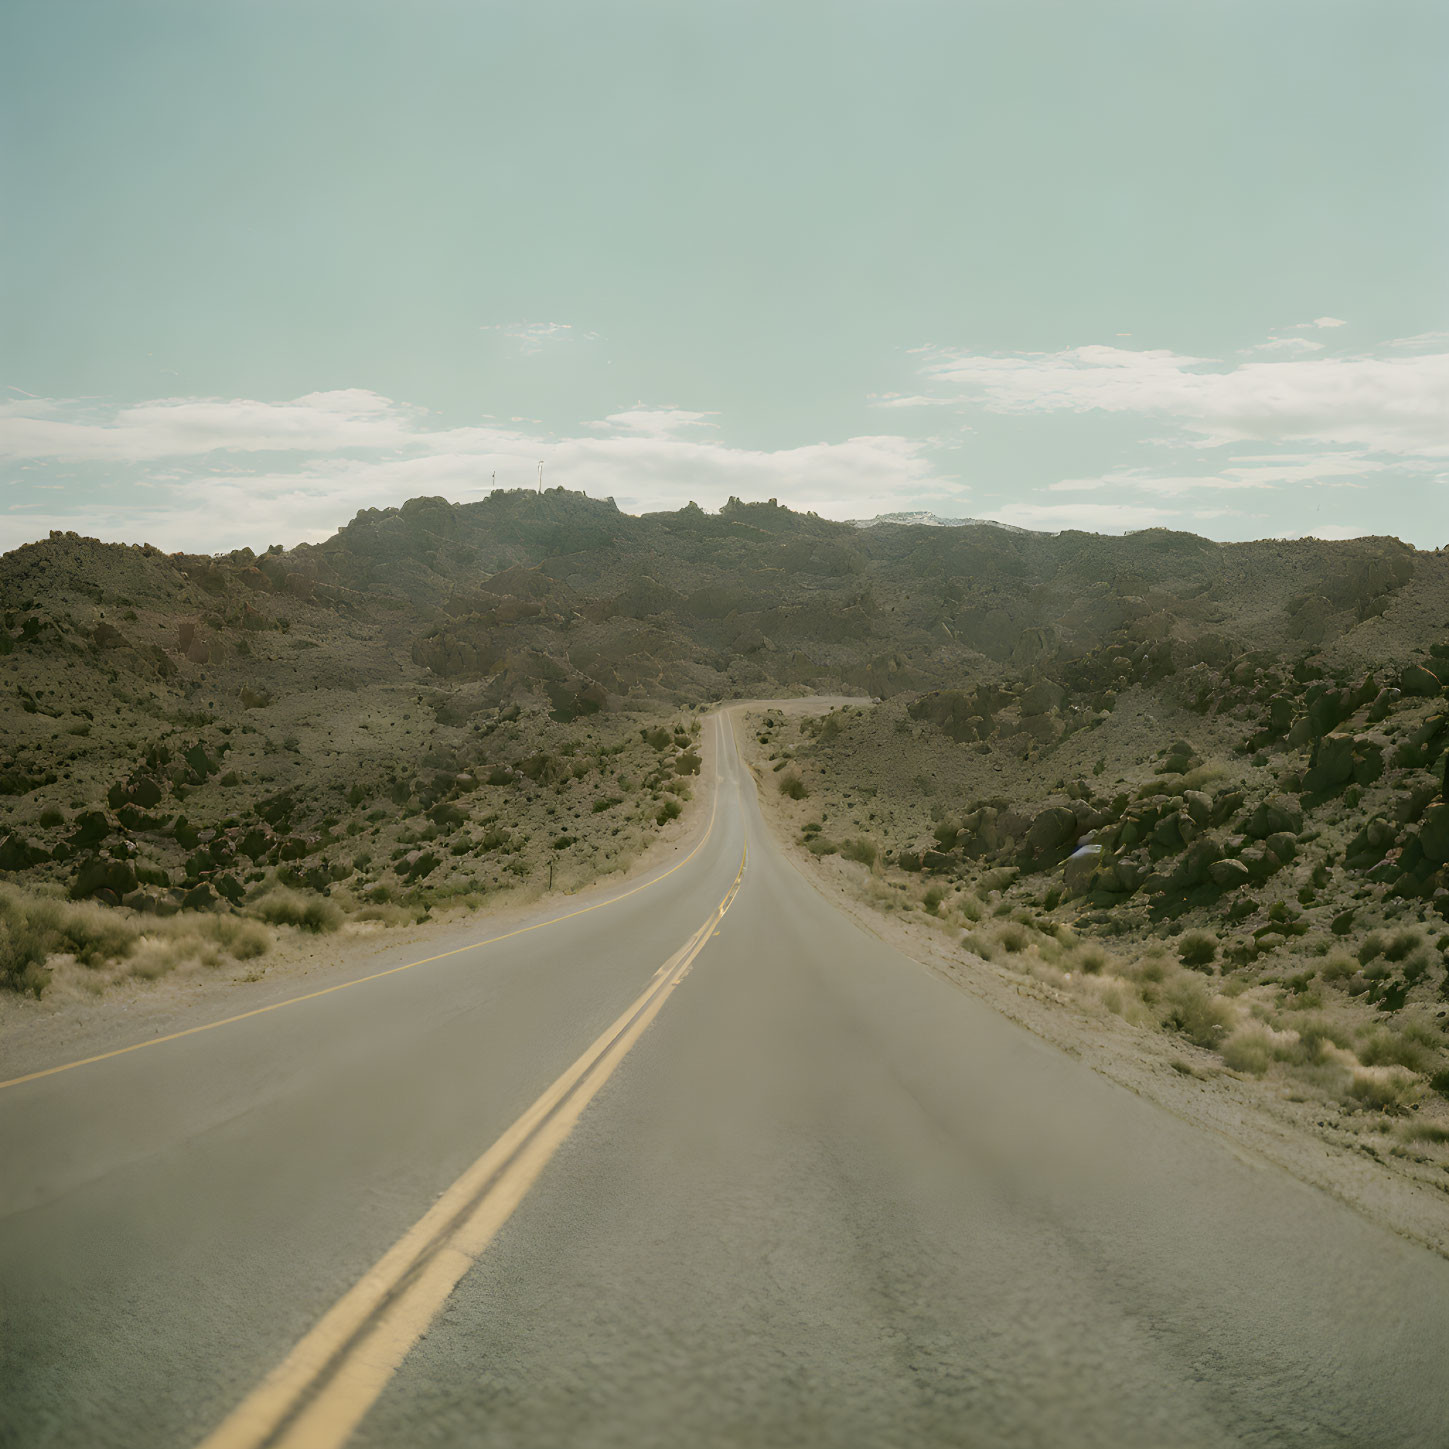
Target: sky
{"type": "Point", "coordinates": [1086, 264]}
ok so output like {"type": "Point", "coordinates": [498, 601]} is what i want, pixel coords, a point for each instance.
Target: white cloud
{"type": "Point", "coordinates": [176, 427]}
{"type": "Point", "coordinates": [338, 452]}
{"type": "Point", "coordinates": [533, 337]}
{"type": "Point", "coordinates": [1396, 404]}
{"type": "Point", "coordinates": [1329, 322]}
{"type": "Point", "coordinates": [650, 422]}
{"type": "Point", "coordinates": [1244, 472]}
{"type": "Point", "coordinates": [1287, 344]}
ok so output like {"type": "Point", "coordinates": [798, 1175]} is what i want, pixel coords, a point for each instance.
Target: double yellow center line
{"type": "Point", "coordinates": [320, 1392]}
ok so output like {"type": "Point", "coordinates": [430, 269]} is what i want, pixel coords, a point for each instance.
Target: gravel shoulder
{"type": "Point", "coordinates": [70, 1024]}
{"type": "Point", "coordinates": [1320, 1145]}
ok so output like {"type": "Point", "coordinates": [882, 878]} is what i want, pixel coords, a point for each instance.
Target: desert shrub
{"type": "Point", "coordinates": [933, 898]}
{"type": "Point", "coordinates": [607, 803]}
{"type": "Point", "coordinates": [1197, 949]}
{"type": "Point", "coordinates": [1315, 1037]}
{"type": "Point", "coordinates": [978, 945]}
{"type": "Point", "coordinates": [1439, 1082]}
{"type": "Point", "coordinates": [1427, 1132]}
{"type": "Point", "coordinates": [1383, 1047]}
{"type": "Point", "coordinates": [1241, 952]}
{"type": "Point", "coordinates": [1014, 937]}
{"type": "Point", "coordinates": [1248, 1049]}
{"type": "Point", "coordinates": [1401, 944]}
{"type": "Point", "coordinates": [821, 846]}
{"type": "Point", "coordinates": [95, 935]}
{"type": "Point", "coordinates": [35, 928]}
{"type": "Point", "coordinates": [793, 786]}
{"type": "Point", "coordinates": [238, 937]}
{"type": "Point", "coordinates": [866, 852]}
{"type": "Point", "coordinates": [1092, 960]}
{"type": "Point", "coordinates": [970, 907]}
{"type": "Point", "coordinates": [669, 810]}
{"type": "Point", "coordinates": [1338, 966]}
{"type": "Point", "coordinates": [25, 944]}
{"type": "Point", "coordinates": [283, 907]}
{"type": "Point", "coordinates": [1188, 1007]}
{"type": "Point", "coordinates": [1416, 967]}
{"type": "Point", "coordinates": [1384, 1089]}
{"type": "Point", "coordinates": [1371, 947]}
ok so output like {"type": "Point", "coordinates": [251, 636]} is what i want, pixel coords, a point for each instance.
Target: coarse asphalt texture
{"type": "Point", "coordinates": [826, 1199]}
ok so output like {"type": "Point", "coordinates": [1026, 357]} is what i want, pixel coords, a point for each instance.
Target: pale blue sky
{"type": "Point", "coordinates": [1079, 264]}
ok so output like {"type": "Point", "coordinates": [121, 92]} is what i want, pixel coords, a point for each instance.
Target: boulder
{"type": "Point", "coordinates": [229, 888]}
{"type": "Point", "coordinates": [1081, 867]}
{"type": "Point", "coordinates": [1118, 877]}
{"type": "Point", "coordinates": [103, 878]}
{"type": "Point", "coordinates": [107, 636]}
{"type": "Point", "coordinates": [1195, 867]}
{"type": "Point", "coordinates": [1052, 830]}
{"type": "Point", "coordinates": [1418, 681]}
{"type": "Point", "coordinates": [1226, 805]}
{"type": "Point", "coordinates": [1229, 874]}
{"type": "Point", "coordinates": [1199, 806]}
{"type": "Point", "coordinates": [16, 853]}
{"type": "Point", "coordinates": [200, 761]}
{"type": "Point", "coordinates": [420, 863]}
{"type": "Point", "coordinates": [1371, 844]}
{"type": "Point", "coordinates": [1434, 833]}
{"type": "Point", "coordinates": [91, 827]}
{"type": "Point", "coordinates": [1326, 708]}
{"type": "Point", "coordinates": [1332, 764]}
{"type": "Point", "coordinates": [1276, 814]}
{"type": "Point", "coordinates": [1383, 702]}
{"type": "Point", "coordinates": [1173, 832]}
{"type": "Point", "coordinates": [1368, 758]}
{"type": "Point", "coordinates": [200, 898]}
{"type": "Point", "coordinates": [1282, 709]}
{"type": "Point", "coordinates": [1041, 697]}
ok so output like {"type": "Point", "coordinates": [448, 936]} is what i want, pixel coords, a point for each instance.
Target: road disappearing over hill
{"type": "Point", "coordinates": [689, 1161]}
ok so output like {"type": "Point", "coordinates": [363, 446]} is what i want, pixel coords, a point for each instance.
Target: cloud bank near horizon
{"type": "Point", "coordinates": [210, 473]}
{"type": "Point", "coordinates": [1218, 441]}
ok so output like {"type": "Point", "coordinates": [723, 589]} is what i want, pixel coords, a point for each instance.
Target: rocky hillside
{"type": "Point", "coordinates": [442, 700]}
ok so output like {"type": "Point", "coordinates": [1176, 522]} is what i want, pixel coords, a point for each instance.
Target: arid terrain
{"type": "Point", "coordinates": [1198, 786]}
{"type": "Point", "coordinates": [522, 945]}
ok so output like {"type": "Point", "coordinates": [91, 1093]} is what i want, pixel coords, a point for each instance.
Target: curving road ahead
{"type": "Point", "coordinates": [692, 1163]}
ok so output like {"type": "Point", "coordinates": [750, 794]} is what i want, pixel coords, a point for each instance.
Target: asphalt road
{"type": "Point", "coordinates": [821, 1198]}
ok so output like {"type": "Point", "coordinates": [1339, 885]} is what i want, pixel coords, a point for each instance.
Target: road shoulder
{"type": "Point", "coordinates": [1320, 1146]}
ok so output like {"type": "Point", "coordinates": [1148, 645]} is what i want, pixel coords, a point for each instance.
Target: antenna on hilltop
{"type": "Point", "coordinates": [540, 475]}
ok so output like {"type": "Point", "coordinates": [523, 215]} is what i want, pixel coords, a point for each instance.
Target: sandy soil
{"type": "Point", "coordinates": [1317, 1142]}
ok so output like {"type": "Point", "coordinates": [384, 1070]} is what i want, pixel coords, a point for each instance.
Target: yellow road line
{"type": "Point", "coordinates": [320, 1392]}
{"type": "Point", "coordinates": [390, 971]}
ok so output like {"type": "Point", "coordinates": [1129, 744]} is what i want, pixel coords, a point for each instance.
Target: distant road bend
{"type": "Point", "coordinates": [691, 1161]}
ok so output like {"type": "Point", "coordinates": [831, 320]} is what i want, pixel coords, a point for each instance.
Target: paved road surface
{"type": "Point", "coordinates": [823, 1199]}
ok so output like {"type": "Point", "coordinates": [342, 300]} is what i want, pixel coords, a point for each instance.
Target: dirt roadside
{"type": "Point", "coordinates": [1318, 1143]}
{"type": "Point", "coordinates": [70, 1025]}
